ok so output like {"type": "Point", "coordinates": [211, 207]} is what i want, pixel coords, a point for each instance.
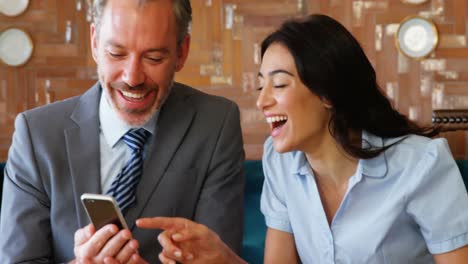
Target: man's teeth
{"type": "Point", "coordinates": [272, 119]}
{"type": "Point", "coordinates": [133, 95]}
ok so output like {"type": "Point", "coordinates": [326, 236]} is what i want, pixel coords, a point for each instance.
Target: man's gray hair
{"type": "Point", "coordinates": [181, 8]}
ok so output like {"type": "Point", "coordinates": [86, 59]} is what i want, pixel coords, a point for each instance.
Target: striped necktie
{"type": "Point", "coordinates": [123, 187]}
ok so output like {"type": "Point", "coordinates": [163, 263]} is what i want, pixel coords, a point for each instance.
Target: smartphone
{"type": "Point", "coordinates": [102, 210]}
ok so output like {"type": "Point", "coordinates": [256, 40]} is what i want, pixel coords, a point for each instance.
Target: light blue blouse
{"type": "Point", "coordinates": [400, 207]}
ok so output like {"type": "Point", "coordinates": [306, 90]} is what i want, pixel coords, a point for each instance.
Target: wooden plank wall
{"type": "Point", "coordinates": [224, 56]}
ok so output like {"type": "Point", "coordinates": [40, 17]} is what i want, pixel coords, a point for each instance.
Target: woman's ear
{"type": "Point", "coordinates": [327, 104]}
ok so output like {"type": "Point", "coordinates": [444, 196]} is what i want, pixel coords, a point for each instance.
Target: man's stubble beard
{"type": "Point", "coordinates": [140, 121]}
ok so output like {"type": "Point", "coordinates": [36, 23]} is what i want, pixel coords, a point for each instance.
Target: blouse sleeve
{"type": "Point", "coordinates": [438, 200]}
{"type": "Point", "coordinates": [273, 204]}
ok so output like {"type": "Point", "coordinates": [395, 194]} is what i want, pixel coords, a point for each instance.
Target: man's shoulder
{"type": "Point", "coordinates": [56, 108]}
{"type": "Point", "coordinates": [65, 107]}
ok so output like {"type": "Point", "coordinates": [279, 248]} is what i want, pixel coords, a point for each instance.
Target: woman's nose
{"type": "Point", "coordinates": [265, 98]}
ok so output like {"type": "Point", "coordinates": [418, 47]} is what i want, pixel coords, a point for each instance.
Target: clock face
{"type": "Point", "coordinates": [16, 47]}
{"type": "Point", "coordinates": [13, 7]}
{"type": "Point", "coordinates": [414, 2]}
{"type": "Point", "coordinates": [416, 37]}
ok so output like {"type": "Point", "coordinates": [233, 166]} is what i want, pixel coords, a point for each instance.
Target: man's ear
{"type": "Point", "coordinates": [183, 51]}
{"type": "Point", "coordinates": [94, 42]}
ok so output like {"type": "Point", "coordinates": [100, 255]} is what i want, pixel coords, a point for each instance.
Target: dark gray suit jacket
{"type": "Point", "coordinates": [193, 169]}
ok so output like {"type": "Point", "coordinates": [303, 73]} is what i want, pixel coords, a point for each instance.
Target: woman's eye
{"type": "Point", "coordinates": [260, 83]}
{"type": "Point", "coordinates": [279, 85]}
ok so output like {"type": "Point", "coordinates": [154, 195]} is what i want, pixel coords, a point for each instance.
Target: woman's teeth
{"type": "Point", "coordinates": [272, 119]}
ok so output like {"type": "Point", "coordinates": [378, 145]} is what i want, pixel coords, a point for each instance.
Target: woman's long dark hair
{"type": "Point", "coordinates": [332, 64]}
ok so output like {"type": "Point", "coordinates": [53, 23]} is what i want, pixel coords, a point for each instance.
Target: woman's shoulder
{"type": "Point", "coordinates": [412, 149]}
{"type": "Point", "coordinates": [419, 144]}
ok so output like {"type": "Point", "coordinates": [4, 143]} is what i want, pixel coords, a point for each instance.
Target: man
{"type": "Point", "coordinates": [192, 160]}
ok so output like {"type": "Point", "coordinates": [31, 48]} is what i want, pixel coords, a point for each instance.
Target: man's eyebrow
{"type": "Point", "coordinates": [276, 72]}
{"type": "Point", "coordinates": [117, 45]}
{"type": "Point", "coordinates": [162, 50]}
{"type": "Point", "coordinates": [114, 44]}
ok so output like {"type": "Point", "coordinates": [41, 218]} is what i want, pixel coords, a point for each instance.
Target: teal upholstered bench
{"type": "Point", "coordinates": [463, 166]}
{"type": "Point", "coordinates": [254, 223]}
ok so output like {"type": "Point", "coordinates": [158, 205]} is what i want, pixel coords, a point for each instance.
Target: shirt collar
{"type": "Point", "coordinates": [375, 167]}
{"type": "Point", "coordinates": [299, 165]}
{"type": "Point", "coordinates": [112, 127]}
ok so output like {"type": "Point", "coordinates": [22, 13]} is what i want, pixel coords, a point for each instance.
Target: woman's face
{"type": "Point", "coordinates": [298, 119]}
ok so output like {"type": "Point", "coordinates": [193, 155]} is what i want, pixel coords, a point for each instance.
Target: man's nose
{"type": "Point", "coordinates": [133, 74]}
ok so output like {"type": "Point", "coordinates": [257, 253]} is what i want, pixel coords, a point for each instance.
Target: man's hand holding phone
{"type": "Point", "coordinates": [106, 245]}
{"type": "Point", "coordinates": [112, 242]}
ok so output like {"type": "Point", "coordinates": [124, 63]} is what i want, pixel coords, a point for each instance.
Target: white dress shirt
{"type": "Point", "coordinates": [114, 152]}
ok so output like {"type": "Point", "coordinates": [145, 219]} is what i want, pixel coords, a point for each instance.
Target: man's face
{"type": "Point", "coordinates": [137, 55]}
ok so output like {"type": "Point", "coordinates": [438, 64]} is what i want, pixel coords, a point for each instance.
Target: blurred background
{"type": "Point", "coordinates": [224, 56]}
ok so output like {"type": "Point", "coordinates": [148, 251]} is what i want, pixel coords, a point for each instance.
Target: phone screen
{"type": "Point", "coordinates": [102, 212]}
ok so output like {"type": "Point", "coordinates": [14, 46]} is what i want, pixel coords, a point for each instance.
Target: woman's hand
{"type": "Point", "coordinates": [188, 242]}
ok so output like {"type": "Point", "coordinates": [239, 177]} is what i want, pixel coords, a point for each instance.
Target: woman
{"type": "Point", "coordinates": [347, 178]}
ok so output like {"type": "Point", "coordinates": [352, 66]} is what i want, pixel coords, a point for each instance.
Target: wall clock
{"type": "Point", "coordinates": [13, 7]}
{"type": "Point", "coordinates": [16, 47]}
{"type": "Point", "coordinates": [414, 2]}
{"type": "Point", "coordinates": [416, 37]}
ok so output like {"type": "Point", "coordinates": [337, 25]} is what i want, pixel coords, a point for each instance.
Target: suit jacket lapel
{"type": "Point", "coordinates": [82, 146]}
{"type": "Point", "coordinates": [173, 122]}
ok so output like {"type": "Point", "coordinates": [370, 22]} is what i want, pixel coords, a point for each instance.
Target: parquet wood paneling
{"type": "Point", "coordinates": [224, 56]}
